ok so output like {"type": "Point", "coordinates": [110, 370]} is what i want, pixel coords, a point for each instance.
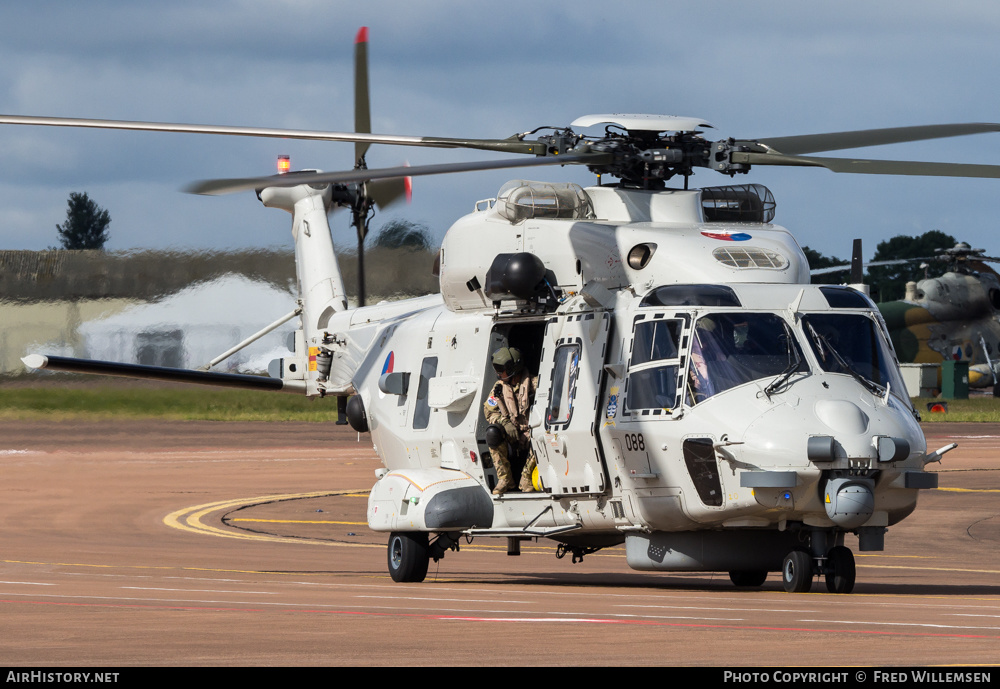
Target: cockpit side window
{"type": "Point", "coordinates": [654, 364]}
{"type": "Point", "coordinates": [654, 340]}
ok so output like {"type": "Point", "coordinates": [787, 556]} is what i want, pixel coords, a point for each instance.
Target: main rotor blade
{"type": "Point", "coordinates": [843, 268]}
{"type": "Point", "coordinates": [512, 145]}
{"type": "Point", "coordinates": [872, 167]}
{"type": "Point", "coordinates": [362, 103]}
{"type": "Point", "coordinates": [836, 141]}
{"type": "Point", "coordinates": [292, 179]}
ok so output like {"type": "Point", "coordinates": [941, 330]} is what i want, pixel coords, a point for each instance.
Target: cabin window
{"type": "Point", "coordinates": [422, 409]}
{"type": "Point", "coordinates": [652, 377]}
{"type": "Point", "coordinates": [566, 369]}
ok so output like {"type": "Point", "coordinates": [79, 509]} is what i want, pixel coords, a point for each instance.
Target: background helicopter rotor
{"type": "Point", "coordinates": [958, 256]}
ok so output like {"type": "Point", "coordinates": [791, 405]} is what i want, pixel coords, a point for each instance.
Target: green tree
{"type": "Point", "coordinates": [403, 234]}
{"type": "Point", "coordinates": [86, 225]}
{"type": "Point", "coordinates": [818, 260]}
{"type": "Point", "coordinates": [891, 280]}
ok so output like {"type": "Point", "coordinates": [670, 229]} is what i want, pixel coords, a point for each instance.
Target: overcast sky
{"type": "Point", "coordinates": [461, 68]}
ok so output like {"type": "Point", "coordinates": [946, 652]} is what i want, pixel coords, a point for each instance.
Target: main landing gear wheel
{"type": "Point", "coordinates": [797, 572]}
{"type": "Point", "coordinates": [408, 556]}
{"type": "Point", "coordinates": [840, 570]}
{"type": "Point", "coordinates": [751, 577]}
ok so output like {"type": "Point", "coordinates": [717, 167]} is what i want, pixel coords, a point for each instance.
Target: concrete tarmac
{"type": "Point", "coordinates": [238, 544]}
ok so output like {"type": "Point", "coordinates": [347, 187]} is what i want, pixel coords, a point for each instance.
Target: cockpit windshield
{"type": "Point", "coordinates": [852, 343]}
{"type": "Point", "coordinates": [673, 361]}
{"type": "Point", "coordinates": [730, 349]}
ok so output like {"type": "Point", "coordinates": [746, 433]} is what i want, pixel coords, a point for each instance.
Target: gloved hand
{"type": "Point", "coordinates": [510, 428]}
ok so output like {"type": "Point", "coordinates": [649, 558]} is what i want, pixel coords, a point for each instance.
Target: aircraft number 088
{"type": "Point", "coordinates": [634, 442]}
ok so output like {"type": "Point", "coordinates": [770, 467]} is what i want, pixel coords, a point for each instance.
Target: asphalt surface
{"type": "Point", "coordinates": [200, 543]}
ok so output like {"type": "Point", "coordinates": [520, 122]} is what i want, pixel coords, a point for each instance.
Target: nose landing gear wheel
{"type": "Point", "coordinates": [797, 572]}
{"type": "Point", "coordinates": [408, 556]}
{"type": "Point", "coordinates": [748, 577]}
{"type": "Point", "coordinates": [840, 571]}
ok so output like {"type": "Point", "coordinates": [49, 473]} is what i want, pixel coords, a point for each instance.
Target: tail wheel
{"type": "Point", "coordinates": [748, 577]}
{"type": "Point", "coordinates": [797, 572]}
{"type": "Point", "coordinates": [408, 556]}
{"type": "Point", "coordinates": [840, 570]}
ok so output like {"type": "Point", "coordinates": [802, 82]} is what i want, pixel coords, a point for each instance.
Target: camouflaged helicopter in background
{"type": "Point", "coordinates": [953, 316]}
{"type": "Point", "coordinates": [699, 401]}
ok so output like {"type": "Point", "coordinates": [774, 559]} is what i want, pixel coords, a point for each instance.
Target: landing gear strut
{"type": "Point", "coordinates": [577, 551]}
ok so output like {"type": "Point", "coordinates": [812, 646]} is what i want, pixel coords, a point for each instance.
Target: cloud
{"type": "Point", "coordinates": [453, 69]}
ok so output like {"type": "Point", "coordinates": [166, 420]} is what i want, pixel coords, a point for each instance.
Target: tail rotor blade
{"type": "Point", "coordinates": [362, 104]}
{"type": "Point", "coordinates": [386, 191]}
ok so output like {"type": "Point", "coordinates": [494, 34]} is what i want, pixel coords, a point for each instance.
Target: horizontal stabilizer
{"type": "Point", "coordinates": [175, 375]}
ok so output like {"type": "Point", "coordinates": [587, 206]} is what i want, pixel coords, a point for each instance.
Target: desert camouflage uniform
{"type": "Point", "coordinates": [507, 407]}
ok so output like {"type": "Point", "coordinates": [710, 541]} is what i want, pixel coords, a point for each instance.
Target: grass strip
{"type": "Point", "coordinates": [173, 403]}
{"type": "Point", "coordinates": [179, 402]}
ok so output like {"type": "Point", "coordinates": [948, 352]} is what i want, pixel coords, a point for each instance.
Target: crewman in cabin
{"type": "Point", "coordinates": [506, 410]}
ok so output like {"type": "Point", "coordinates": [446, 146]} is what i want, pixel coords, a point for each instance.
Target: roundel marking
{"type": "Point", "coordinates": [728, 236]}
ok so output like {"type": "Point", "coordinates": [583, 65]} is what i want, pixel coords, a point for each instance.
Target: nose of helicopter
{"type": "Point", "coordinates": [832, 431]}
{"type": "Point", "coordinates": [838, 444]}
{"type": "Point", "coordinates": [842, 416]}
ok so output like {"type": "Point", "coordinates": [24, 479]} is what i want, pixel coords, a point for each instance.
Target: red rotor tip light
{"type": "Point", "coordinates": [284, 164]}
{"type": "Point", "coordinates": [362, 36]}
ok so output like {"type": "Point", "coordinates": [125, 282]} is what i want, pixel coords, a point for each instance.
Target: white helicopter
{"type": "Point", "coordinates": [698, 400]}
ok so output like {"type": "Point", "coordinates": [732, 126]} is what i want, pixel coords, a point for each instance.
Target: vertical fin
{"type": "Point", "coordinates": [320, 284]}
{"type": "Point", "coordinates": [857, 264]}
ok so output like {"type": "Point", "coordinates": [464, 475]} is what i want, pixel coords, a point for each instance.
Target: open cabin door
{"type": "Point", "coordinates": [564, 417]}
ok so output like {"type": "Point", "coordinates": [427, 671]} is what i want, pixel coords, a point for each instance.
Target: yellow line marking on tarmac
{"type": "Point", "coordinates": [898, 557]}
{"type": "Point", "coordinates": [298, 521]}
{"type": "Point", "coordinates": [972, 490]}
{"type": "Point", "coordinates": [180, 568]}
{"type": "Point", "coordinates": [191, 519]}
{"type": "Point", "coordinates": [935, 569]}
